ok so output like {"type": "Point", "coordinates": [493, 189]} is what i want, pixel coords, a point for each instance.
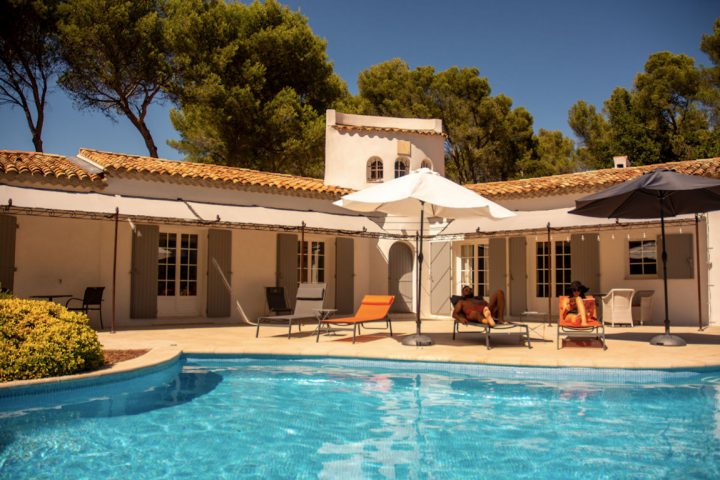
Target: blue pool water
{"type": "Point", "coordinates": [273, 417]}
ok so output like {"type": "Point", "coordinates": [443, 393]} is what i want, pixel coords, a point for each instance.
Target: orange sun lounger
{"type": "Point", "coordinates": [374, 308]}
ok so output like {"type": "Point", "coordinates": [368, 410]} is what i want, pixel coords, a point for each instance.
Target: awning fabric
{"type": "Point", "coordinates": [85, 204]}
{"type": "Point", "coordinates": [100, 205]}
{"type": "Point", "coordinates": [528, 221]}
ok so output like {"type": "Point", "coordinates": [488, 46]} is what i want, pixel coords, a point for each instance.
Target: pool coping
{"type": "Point", "coordinates": [161, 357]}
{"type": "Point", "coordinates": [154, 359]}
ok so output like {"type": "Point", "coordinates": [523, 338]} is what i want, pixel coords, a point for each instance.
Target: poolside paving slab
{"type": "Point", "coordinates": [627, 347]}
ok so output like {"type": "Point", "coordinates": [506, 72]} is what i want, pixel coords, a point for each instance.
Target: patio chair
{"type": "Point", "coordinates": [91, 301]}
{"type": "Point", "coordinates": [276, 301]}
{"type": "Point", "coordinates": [487, 329]}
{"type": "Point", "coordinates": [310, 297]}
{"type": "Point", "coordinates": [569, 326]}
{"type": "Point", "coordinates": [617, 306]}
{"type": "Point", "coordinates": [374, 308]}
{"type": "Point", "coordinates": [642, 302]}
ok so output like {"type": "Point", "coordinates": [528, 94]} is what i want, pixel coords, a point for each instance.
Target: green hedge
{"type": "Point", "coordinates": [43, 339]}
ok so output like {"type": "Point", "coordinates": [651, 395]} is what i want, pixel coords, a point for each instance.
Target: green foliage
{"type": "Point", "coordinates": [670, 114]}
{"type": "Point", "coordinates": [552, 154]}
{"type": "Point", "coordinates": [252, 83]}
{"type": "Point", "coordinates": [710, 88]}
{"type": "Point", "coordinates": [43, 339]}
{"type": "Point", "coordinates": [486, 135]}
{"type": "Point", "coordinates": [115, 57]}
{"type": "Point", "coordinates": [28, 58]}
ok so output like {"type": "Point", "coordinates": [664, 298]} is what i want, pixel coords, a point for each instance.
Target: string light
{"type": "Point", "coordinates": [598, 237]}
{"type": "Point", "coordinates": [612, 236]}
{"type": "Point", "coordinates": [643, 234]}
{"type": "Point", "coordinates": [680, 229]}
{"type": "Point", "coordinates": [582, 237]}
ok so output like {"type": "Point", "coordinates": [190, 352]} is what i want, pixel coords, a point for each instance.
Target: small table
{"type": "Point", "coordinates": [324, 314]}
{"type": "Point", "coordinates": [50, 297]}
{"type": "Point", "coordinates": [524, 316]}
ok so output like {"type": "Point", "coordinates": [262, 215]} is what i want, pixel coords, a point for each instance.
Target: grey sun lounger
{"type": "Point", "coordinates": [487, 329]}
{"type": "Point", "coordinates": [310, 297]}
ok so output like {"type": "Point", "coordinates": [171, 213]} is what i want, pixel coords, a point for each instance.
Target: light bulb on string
{"type": "Point", "coordinates": [582, 237]}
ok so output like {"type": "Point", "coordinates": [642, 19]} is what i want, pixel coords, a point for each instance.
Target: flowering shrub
{"type": "Point", "coordinates": [43, 339]}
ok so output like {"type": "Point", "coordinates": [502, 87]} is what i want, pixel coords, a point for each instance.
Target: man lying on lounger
{"type": "Point", "coordinates": [471, 309]}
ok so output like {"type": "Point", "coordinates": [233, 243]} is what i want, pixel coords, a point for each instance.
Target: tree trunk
{"type": "Point", "coordinates": [149, 142]}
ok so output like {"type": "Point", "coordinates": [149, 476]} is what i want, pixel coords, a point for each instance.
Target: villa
{"type": "Point", "coordinates": [165, 238]}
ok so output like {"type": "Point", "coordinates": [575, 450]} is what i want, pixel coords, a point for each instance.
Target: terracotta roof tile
{"type": "Point", "coordinates": [587, 182]}
{"type": "Point", "coordinates": [361, 128]}
{"type": "Point", "coordinates": [209, 172]}
{"type": "Point", "coordinates": [46, 165]}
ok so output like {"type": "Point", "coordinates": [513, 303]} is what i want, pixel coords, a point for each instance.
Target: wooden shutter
{"type": "Point", "coordinates": [143, 280]}
{"type": "Point", "coordinates": [218, 295]}
{"type": "Point", "coordinates": [440, 279]}
{"type": "Point", "coordinates": [8, 227]}
{"type": "Point", "coordinates": [496, 265]}
{"type": "Point", "coordinates": [518, 275]}
{"type": "Point", "coordinates": [680, 259]}
{"type": "Point", "coordinates": [585, 260]}
{"type": "Point", "coordinates": [345, 275]}
{"type": "Point", "coordinates": [287, 265]}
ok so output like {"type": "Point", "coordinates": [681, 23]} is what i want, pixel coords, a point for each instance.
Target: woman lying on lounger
{"type": "Point", "coordinates": [577, 304]}
{"type": "Point", "coordinates": [471, 309]}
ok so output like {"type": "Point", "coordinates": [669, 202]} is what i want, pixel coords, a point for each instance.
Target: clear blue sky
{"type": "Point", "coordinates": [545, 55]}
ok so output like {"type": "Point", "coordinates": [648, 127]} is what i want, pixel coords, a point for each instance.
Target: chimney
{"type": "Point", "coordinates": [621, 162]}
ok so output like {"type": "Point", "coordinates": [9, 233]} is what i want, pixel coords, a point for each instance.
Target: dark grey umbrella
{"type": "Point", "coordinates": [660, 193]}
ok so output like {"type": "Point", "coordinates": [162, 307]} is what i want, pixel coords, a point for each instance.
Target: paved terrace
{"type": "Point", "coordinates": [627, 347]}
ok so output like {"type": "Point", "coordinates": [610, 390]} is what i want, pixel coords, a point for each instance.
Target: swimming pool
{"type": "Point", "coordinates": [277, 417]}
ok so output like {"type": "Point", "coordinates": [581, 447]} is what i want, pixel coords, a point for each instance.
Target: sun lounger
{"type": "Point", "coordinates": [487, 329]}
{"type": "Point", "coordinates": [569, 325]}
{"type": "Point", "coordinates": [310, 297]}
{"type": "Point", "coordinates": [374, 308]}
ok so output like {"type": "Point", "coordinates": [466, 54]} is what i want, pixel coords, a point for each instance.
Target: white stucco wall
{"type": "Point", "coordinates": [347, 152]}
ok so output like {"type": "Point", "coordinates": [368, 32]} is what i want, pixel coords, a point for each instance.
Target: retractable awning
{"type": "Point", "coordinates": [536, 221]}
{"type": "Point", "coordinates": [35, 201]}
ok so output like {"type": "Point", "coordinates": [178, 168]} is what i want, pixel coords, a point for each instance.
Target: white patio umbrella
{"type": "Point", "coordinates": [426, 193]}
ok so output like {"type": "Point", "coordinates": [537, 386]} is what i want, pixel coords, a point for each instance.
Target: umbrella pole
{"type": "Point", "coordinates": [419, 340]}
{"type": "Point", "coordinates": [666, 339]}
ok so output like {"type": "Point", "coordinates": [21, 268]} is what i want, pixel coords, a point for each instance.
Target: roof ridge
{"type": "Point", "coordinates": [187, 162]}
{"type": "Point", "coordinates": [31, 152]}
{"type": "Point", "coordinates": [635, 168]}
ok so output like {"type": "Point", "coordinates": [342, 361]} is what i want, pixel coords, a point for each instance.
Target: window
{"type": "Point", "coordinates": [426, 164]}
{"type": "Point", "coordinates": [642, 257]}
{"type": "Point", "coordinates": [482, 269]}
{"type": "Point", "coordinates": [401, 167]}
{"type": "Point", "coordinates": [561, 263]}
{"type": "Point", "coordinates": [473, 269]}
{"type": "Point", "coordinates": [563, 272]}
{"type": "Point", "coordinates": [542, 277]}
{"type": "Point", "coordinates": [311, 255]}
{"type": "Point", "coordinates": [375, 170]}
{"type": "Point", "coordinates": [467, 266]}
{"type": "Point", "coordinates": [172, 280]}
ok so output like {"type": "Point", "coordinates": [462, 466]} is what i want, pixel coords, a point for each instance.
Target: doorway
{"type": "Point", "coordinates": [400, 272]}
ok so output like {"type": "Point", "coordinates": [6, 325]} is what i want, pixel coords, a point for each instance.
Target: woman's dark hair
{"type": "Point", "coordinates": [578, 287]}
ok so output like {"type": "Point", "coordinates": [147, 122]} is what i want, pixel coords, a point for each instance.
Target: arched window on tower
{"type": "Point", "coordinates": [375, 170]}
{"type": "Point", "coordinates": [426, 164]}
{"type": "Point", "coordinates": [401, 167]}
